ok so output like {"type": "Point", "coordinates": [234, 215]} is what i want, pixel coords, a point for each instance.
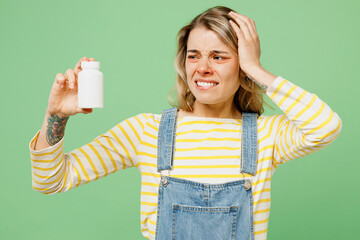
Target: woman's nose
{"type": "Point", "coordinates": [204, 67]}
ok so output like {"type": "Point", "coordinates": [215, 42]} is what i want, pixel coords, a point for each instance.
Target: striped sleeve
{"type": "Point", "coordinates": [307, 126]}
{"type": "Point", "coordinates": [54, 171]}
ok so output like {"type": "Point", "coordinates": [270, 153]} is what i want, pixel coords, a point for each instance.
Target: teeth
{"type": "Point", "coordinates": [205, 84]}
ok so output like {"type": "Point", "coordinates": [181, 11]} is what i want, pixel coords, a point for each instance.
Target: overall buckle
{"type": "Point", "coordinates": [164, 178]}
{"type": "Point", "coordinates": [247, 183]}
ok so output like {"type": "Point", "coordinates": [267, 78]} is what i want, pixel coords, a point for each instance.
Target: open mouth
{"type": "Point", "coordinates": [205, 85]}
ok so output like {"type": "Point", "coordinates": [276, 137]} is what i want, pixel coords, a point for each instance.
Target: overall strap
{"type": "Point", "coordinates": [249, 143]}
{"type": "Point", "coordinates": [166, 139]}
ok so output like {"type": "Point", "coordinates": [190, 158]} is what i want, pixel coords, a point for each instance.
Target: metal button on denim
{"type": "Point", "coordinates": [247, 185]}
{"type": "Point", "coordinates": [164, 181]}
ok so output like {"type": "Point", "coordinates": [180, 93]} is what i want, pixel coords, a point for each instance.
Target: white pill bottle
{"type": "Point", "coordinates": [90, 86]}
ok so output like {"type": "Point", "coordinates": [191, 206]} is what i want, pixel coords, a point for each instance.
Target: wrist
{"type": "Point", "coordinates": [49, 112]}
{"type": "Point", "coordinates": [253, 70]}
{"type": "Point", "coordinates": [261, 76]}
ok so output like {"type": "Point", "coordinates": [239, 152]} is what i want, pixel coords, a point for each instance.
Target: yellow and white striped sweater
{"type": "Point", "coordinates": [206, 150]}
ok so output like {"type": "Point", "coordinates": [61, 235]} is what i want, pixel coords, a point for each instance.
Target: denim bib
{"type": "Point", "coordinates": [193, 210]}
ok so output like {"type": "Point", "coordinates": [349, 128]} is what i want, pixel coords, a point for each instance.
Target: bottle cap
{"type": "Point", "coordinates": [90, 65]}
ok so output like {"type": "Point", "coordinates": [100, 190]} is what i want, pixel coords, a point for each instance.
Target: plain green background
{"type": "Point", "coordinates": [312, 43]}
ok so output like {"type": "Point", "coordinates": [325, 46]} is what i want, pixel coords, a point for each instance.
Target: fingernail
{"type": "Point", "coordinates": [71, 85]}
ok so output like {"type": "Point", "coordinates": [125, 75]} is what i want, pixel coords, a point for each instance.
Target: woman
{"type": "Point", "coordinates": [215, 184]}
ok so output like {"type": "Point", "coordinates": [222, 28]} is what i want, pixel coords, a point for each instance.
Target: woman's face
{"type": "Point", "coordinates": [208, 59]}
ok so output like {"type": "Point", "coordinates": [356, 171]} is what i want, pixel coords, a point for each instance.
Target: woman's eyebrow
{"type": "Point", "coordinates": [213, 51]}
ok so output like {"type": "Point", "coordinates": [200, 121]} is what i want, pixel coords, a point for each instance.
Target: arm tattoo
{"type": "Point", "coordinates": [55, 129]}
{"type": "Point", "coordinates": [263, 86]}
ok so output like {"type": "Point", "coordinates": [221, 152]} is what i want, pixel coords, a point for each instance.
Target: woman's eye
{"type": "Point", "coordinates": [215, 57]}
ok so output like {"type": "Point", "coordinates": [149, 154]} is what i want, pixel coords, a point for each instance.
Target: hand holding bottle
{"type": "Point", "coordinates": [63, 99]}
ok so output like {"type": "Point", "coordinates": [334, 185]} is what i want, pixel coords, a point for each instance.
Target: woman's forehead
{"type": "Point", "coordinates": [204, 40]}
{"type": "Point", "coordinates": [214, 51]}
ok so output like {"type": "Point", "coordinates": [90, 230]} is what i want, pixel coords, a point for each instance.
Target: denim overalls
{"type": "Point", "coordinates": [192, 210]}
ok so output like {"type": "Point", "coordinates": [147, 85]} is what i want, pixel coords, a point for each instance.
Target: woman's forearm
{"type": "Point", "coordinates": [261, 77]}
{"type": "Point", "coordinates": [52, 131]}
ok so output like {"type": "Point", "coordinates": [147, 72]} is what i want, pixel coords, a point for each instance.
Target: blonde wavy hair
{"type": "Point", "coordinates": [248, 98]}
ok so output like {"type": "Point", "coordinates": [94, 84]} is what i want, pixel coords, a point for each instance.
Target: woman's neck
{"type": "Point", "coordinates": [212, 111]}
